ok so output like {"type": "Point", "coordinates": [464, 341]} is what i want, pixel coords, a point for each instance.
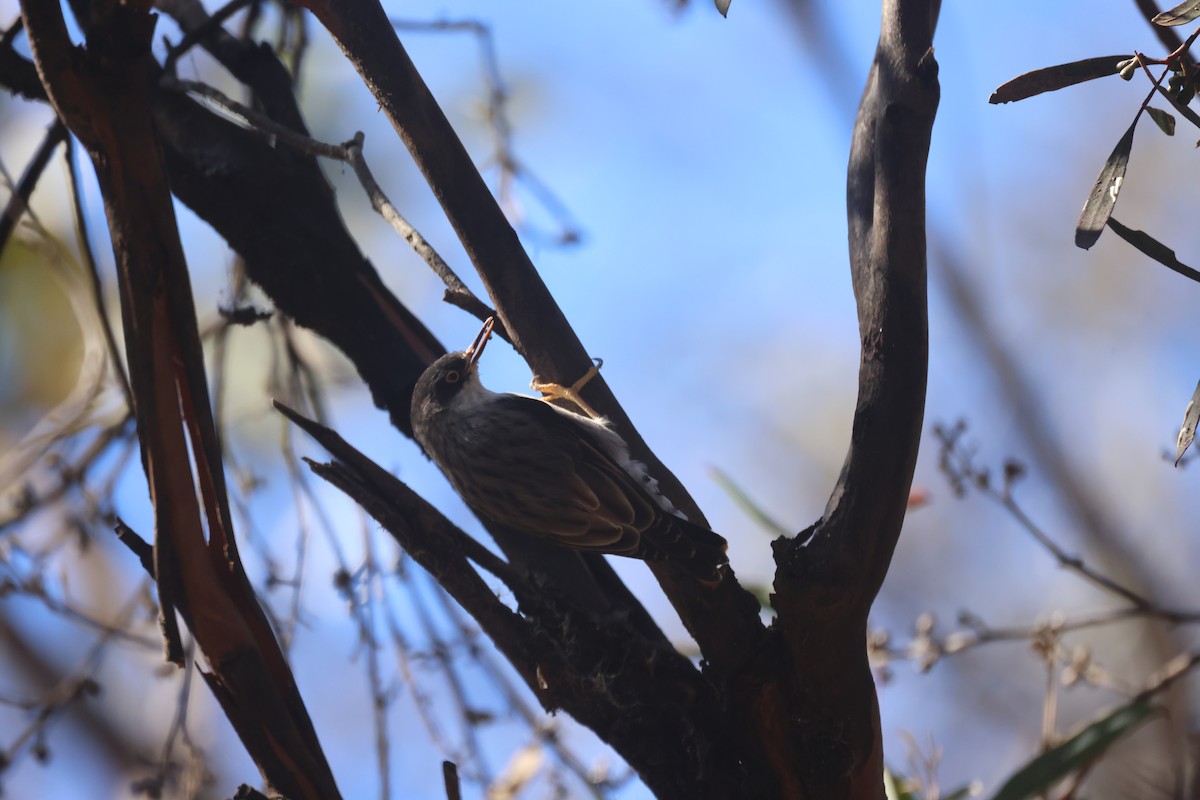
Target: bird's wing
{"type": "Point", "coordinates": [563, 479]}
{"type": "Point", "coordinates": [570, 487]}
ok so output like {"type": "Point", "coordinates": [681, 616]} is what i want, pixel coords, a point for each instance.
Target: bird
{"type": "Point", "coordinates": [536, 467]}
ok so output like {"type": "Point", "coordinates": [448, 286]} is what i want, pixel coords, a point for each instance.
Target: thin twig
{"type": "Point", "coordinates": [457, 293]}
{"type": "Point", "coordinates": [927, 648]}
{"type": "Point", "coordinates": [198, 34]}
{"type": "Point", "coordinates": [957, 464]}
{"type": "Point", "coordinates": [380, 697]}
{"type": "Point", "coordinates": [440, 651]}
{"type": "Point", "coordinates": [405, 658]}
{"type": "Point", "coordinates": [1171, 672]}
{"type": "Point", "coordinates": [350, 153]}
{"type": "Point", "coordinates": [72, 475]}
{"type": "Point", "coordinates": [1172, 59]}
{"type": "Point", "coordinates": [542, 727]}
{"type": "Point", "coordinates": [512, 169]}
{"type": "Point", "coordinates": [80, 685]}
{"type": "Point", "coordinates": [33, 586]}
{"type": "Point", "coordinates": [18, 203]}
{"type": "Point", "coordinates": [87, 253]}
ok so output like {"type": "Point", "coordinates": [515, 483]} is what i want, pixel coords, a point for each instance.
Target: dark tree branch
{"type": "Point", "coordinates": [19, 75]}
{"type": "Point", "coordinates": [450, 777]}
{"type": "Point", "coordinates": [101, 93]}
{"type": "Point", "coordinates": [828, 577]}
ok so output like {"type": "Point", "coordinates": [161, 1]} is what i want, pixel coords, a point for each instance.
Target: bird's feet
{"type": "Point", "coordinates": [555, 391]}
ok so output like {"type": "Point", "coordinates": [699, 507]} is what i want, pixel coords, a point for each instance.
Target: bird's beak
{"type": "Point", "coordinates": [481, 339]}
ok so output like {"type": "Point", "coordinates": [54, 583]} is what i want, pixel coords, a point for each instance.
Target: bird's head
{"type": "Point", "coordinates": [450, 378]}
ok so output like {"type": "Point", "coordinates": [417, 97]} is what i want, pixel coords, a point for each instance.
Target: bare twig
{"type": "Point", "coordinates": [18, 203]}
{"type": "Point", "coordinates": [380, 697]}
{"type": "Point", "coordinates": [89, 260]}
{"type": "Point", "coordinates": [440, 651]}
{"type": "Point", "coordinates": [33, 585]}
{"type": "Point", "coordinates": [201, 32]}
{"type": "Point", "coordinates": [350, 153]}
{"type": "Point", "coordinates": [958, 465]}
{"type": "Point", "coordinates": [72, 475]}
{"type": "Point", "coordinates": [1172, 671]}
{"type": "Point", "coordinates": [542, 727]}
{"type": "Point", "coordinates": [79, 685]}
{"type": "Point", "coordinates": [512, 170]}
{"type": "Point", "coordinates": [405, 658]}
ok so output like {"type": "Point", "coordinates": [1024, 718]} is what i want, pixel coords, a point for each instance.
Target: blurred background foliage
{"type": "Point", "coordinates": [682, 192]}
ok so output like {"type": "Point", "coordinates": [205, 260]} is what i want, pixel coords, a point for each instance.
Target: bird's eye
{"type": "Point", "coordinates": [452, 376]}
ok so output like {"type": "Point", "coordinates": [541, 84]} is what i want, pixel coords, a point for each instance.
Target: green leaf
{"type": "Point", "coordinates": [1100, 202]}
{"type": "Point", "coordinates": [1040, 774]}
{"type": "Point", "coordinates": [1153, 248]}
{"type": "Point", "coordinates": [1180, 107]}
{"type": "Point", "coordinates": [723, 6]}
{"type": "Point", "coordinates": [1181, 14]}
{"type": "Point", "coordinates": [753, 509]}
{"type": "Point", "coordinates": [1187, 432]}
{"type": "Point", "coordinates": [1050, 79]}
{"type": "Point", "coordinates": [1164, 121]}
{"type": "Point", "coordinates": [894, 786]}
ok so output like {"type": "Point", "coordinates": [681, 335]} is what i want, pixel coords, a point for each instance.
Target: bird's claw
{"type": "Point", "coordinates": [556, 391]}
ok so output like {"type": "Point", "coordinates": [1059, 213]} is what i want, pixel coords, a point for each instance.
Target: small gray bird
{"type": "Point", "coordinates": [532, 466]}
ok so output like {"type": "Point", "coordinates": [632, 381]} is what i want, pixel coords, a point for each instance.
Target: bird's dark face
{"type": "Point", "coordinates": [441, 383]}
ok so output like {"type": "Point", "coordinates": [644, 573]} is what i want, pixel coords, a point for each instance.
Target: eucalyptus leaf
{"type": "Point", "coordinates": [1103, 198]}
{"type": "Point", "coordinates": [753, 509]}
{"type": "Point", "coordinates": [1181, 108]}
{"type": "Point", "coordinates": [1050, 79]}
{"type": "Point", "coordinates": [1043, 772]}
{"type": "Point", "coordinates": [1164, 121]}
{"type": "Point", "coordinates": [1181, 14]}
{"type": "Point", "coordinates": [1150, 246]}
{"type": "Point", "coordinates": [894, 787]}
{"type": "Point", "coordinates": [1187, 432]}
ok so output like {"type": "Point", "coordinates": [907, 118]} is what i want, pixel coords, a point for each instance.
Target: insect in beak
{"type": "Point", "coordinates": [481, 339]}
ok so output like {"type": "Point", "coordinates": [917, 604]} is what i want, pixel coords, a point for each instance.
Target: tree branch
{"type": "Point", "coordinates": [101, 93]}
{"type": "Point", "coordinates": [828, 577]}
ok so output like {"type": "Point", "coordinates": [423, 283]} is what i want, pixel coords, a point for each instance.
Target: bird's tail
{"type": "Point", "coordinates": [687, 544]}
